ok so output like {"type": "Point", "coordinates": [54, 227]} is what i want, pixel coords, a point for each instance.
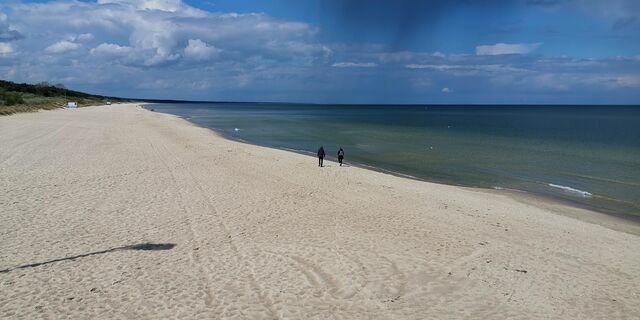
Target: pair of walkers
{"type": "Point", "coordinates": [321, 155]}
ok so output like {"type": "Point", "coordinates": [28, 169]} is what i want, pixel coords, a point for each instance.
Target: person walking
{"type": "Point", "coordinates": [320, 156]}
{"type": "Point", "coordinates": [340, 156]}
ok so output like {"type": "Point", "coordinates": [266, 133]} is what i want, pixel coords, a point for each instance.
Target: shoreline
{"type": "Point", "coordinates": [118, 212]}
{"type": "Point", "coordinates": [573, 209]}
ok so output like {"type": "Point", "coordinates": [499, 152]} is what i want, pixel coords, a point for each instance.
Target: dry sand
{"type": "Point", "coordinates": [249, 232]}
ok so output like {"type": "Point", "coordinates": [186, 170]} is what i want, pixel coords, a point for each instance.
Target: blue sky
{"type": "Point", "coordinates": [330, 51]}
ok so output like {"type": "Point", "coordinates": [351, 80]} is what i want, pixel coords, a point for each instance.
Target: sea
{"type": "Point", "coordinates": [585, 155]}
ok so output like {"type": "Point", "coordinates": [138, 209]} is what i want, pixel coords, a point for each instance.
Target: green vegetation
{"type": "Point", "coordinates": [22, 97]}
{"type": "Point", "coordinates": [10, 98]}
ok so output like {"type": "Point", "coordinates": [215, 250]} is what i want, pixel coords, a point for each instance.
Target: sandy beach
{"type": "Point", "coordinates": [117, 212]}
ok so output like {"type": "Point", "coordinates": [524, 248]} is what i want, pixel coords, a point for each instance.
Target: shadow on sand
{"type": "Point", "coordinates": [142, 246]}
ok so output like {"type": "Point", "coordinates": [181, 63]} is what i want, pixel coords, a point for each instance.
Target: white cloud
{"type": "Point", "coordinates": [462, 70]}
{"type": "Point", "coordinates": [158, 32]}
{"type": "Point", "coordinates": [110, 49]}
{"type": "Point", "coordinates": [160, 5]}
{"type": "Point", "coordinates": [326, 52]}
{"type": "Point", "coordinates": [62, 47]}
{"type": "Point", "coordinates": [199, 50]}
{"type": "Point", "coordinates": [632, 81]}
{"type": "Point", "coordinates": [354, 65]}
{"type": "Point", "coordinates": [85, 37]}
{"type": "Point", "coordinates": [161, 58]}
{"type": "Point", "coordinates": [446, 90]}
{"type": "Point", "coordinates": [424, 66]}
{"type": "Point", "coordinates": [446, 67]}
{"type": "Point", "coordinates": [6, 49]}
{"type": "Point", "coordinates": [506, 48]}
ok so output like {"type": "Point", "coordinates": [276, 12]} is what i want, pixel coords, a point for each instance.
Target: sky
{"type": "Point", "coordinates": [330, 51]}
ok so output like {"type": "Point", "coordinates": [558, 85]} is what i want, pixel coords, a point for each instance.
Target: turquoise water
{"type": "Point", "coordinates": [589, 155]}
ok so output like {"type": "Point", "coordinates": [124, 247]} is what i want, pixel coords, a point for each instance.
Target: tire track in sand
{"type": "Point", "coordinates": [194, 254]}
{"type": "Point", "coordinates": [191, 183]}
{"type": "Point", "coordinates": [239, 256]}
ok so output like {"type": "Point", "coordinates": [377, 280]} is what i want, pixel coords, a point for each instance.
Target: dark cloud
{"type": "Point", "coordinates": [394, 23]}
{"type": "Point", "coordinates": [6, 32]}
{"type": "Point", "coordinates": [10, 35]}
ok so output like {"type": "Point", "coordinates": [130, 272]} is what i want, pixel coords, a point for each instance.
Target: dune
{"type": "Point", "coordinates": [117, 212]}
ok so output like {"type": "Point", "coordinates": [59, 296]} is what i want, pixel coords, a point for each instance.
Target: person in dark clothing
{"type": "Point", "coordinates": [340, 156]}
{"type": "Point", "coordinates": [320, 156]}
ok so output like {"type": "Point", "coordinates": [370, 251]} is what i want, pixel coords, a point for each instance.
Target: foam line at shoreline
{"type": "Point", "coordinates": [582, 193]}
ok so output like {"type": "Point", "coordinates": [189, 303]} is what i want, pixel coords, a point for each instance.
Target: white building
{"type": "Point", "coordinates": [72, 104]}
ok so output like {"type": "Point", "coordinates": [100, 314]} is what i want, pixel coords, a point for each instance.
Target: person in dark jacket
{"type": "Point", "coordinates": [321, 155]}
{"type": "Point", "coordinates": [340, 156]}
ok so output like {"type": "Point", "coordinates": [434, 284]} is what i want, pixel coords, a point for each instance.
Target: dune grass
{"type": "Point", "coordinates": [33, 103]}
{"type": "Point", "coordinates": [22, 97]}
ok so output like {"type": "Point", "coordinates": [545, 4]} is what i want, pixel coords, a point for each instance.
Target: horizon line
{"type": "Point", "coordinates": [376, 104]}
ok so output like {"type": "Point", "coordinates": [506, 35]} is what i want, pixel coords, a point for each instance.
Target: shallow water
{"type": "Point", "coordinates": [589, 155]}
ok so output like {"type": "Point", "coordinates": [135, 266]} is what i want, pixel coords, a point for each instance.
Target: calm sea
{"type": "Point", "coordinates": [589, 155]}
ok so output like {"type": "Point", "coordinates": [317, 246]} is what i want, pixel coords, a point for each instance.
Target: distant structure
{"type": "Point", "coordinates": [108, 103]}
{"type": "Point", "coordinates": [72, 104]}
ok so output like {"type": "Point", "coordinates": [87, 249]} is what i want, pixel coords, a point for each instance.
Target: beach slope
{"type": "Point", "coordinates": [119, 212]}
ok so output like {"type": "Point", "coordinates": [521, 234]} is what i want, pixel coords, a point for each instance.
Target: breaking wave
{"type": "Point", "coordinates": [571, 190]}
